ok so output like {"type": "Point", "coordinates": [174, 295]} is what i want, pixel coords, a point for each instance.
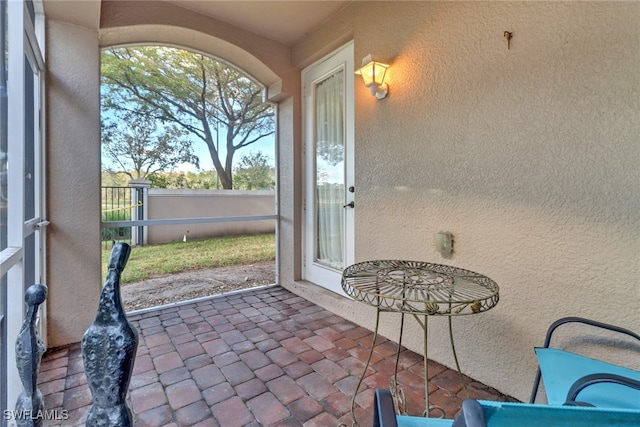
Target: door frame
{"type": "Point", "coordinates": [342, 57]}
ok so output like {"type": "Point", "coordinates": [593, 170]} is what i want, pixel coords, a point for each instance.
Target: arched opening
{"type": "Point", "coordinates": [267, 65]}
{"type": "Point", "coordinates": [188, 173]}
{"type": "Point", "coordinates": [74, 132]}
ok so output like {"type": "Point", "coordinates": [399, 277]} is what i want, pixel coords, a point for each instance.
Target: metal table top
{"type": "Point", "coordinates": [419, 288]}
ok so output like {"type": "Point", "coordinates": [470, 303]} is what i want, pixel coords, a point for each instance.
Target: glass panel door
{"type": "Point", "coordinates": [329, 189]}
{"type": "Point", "coordinates": [329, 172]}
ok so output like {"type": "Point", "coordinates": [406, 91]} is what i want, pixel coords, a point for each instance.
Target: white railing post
{"type": "Point", "coordinates": [140, 191]}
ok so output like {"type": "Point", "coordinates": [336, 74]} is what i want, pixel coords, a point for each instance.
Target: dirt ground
{"type": "Point", "coordinates": [194, 284]}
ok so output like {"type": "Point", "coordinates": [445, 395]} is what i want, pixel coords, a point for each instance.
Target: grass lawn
{"type": "Point", "coordinates": [175, 257]}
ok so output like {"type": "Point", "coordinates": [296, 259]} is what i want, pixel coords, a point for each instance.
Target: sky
{"type": "Point", "coordinates": [265, 145]}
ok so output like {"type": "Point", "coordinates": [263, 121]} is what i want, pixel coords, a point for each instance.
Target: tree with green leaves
{"type": "Point", "coordinates": [254, 172]}
{"type": "Point", "coordinates": [195, 92]}
{"type": "Point", "coordinates": [202, 180]}
{"type": "Point", "coordinates": [139, 146]}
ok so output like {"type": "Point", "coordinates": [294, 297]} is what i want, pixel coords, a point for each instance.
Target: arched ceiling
{"type": "Point", "coordinates": [281, 21]}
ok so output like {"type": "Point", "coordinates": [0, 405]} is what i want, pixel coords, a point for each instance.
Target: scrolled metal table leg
{"type": "Point", "coordinates": [364, 372]}
{"type": "Point", "coordinates": [455, 357]}
{"type": "Point", "coordinates": [396, 391]}
{"type": "Point", "coordinates": [427, 407]}
{"type": "Point", "coordinates": [426, 367]}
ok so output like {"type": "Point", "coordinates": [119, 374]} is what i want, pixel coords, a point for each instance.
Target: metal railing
{"type": "Point", "coordinates": [124, 218]}
{"type": "Point", "coordinates": [118, 205]}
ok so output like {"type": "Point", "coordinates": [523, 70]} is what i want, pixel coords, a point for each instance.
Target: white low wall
{"type": "Point", "coordinates": [184, 203]}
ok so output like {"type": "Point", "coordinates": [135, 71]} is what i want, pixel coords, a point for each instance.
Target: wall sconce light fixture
{"type": "Point", "coordinates": [372, 73]}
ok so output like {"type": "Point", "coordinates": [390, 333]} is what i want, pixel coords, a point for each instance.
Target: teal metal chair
{"type": "Point", "coordinates": [580, 391]}
{"type": "Point", "coordinates": [384, 414]}
{"type": "Point", "coordinates": [573, 379]}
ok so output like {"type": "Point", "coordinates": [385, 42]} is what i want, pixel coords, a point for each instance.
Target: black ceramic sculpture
{"type": "Point", "coordinates": [29, 350]}
{"type": "Point", "coordinates": [109, 350]}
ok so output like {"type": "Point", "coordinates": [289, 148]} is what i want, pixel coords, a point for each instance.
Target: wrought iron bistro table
{"type": "Point", "coordinates": [420, 289]}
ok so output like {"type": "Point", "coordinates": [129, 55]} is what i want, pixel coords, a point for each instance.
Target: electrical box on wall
{"type": "Point", "coordinates": [444, 243]}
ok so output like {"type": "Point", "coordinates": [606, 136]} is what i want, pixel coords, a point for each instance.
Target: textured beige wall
{"type": "Point", "coordinates": [529, 156]}
{"type": "Point", "coordinates": [73, 180]}
{"type": "Point", "coordinates": [289, 193]}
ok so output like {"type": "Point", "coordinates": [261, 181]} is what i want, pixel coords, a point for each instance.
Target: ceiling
{"type": "Point", "coordinates": [284, 21]}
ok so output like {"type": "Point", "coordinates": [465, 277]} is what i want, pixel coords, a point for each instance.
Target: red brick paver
{"type": "Point", "coordinates": [261, 357]}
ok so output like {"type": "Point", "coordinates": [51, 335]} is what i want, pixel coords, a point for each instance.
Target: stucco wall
{"type": "Point", "coordinates": [529, 156]}
{"type": "Point", "coordinates": [73, 180]}
{"type": "Point", "coordinates": [182, 203]}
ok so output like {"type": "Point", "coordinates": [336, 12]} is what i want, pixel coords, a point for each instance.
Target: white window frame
{"type": "Point", "coordinates": [24, 41]}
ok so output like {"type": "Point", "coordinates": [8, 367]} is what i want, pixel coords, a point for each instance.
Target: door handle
{"type": "Point", "coordinates": [351, 205]}
{"type": "Point", "coordinates": [41, 225]}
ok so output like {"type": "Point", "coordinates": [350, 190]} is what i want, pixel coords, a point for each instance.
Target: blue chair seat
{"type": "Point", "coordinates": [561, 369]}
{"type": "Point", "coordinates": [500, 414]}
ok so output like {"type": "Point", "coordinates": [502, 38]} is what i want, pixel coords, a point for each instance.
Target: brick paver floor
{"type": "Point", "coordinates": [261, 357]}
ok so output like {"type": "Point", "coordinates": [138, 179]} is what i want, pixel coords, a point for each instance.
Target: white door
{"type": "Point", "coordinates": [329, 205]}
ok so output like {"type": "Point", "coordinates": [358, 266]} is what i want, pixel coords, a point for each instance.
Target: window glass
{"type": "Point", "coordinates": [29, 171]}
{"type": "Point", "coordinates": [3, 338]}
{"type": "Point", "coordinates": [31, 11]}
{"type": "Point", "coordinates": [3, 196]}
{"type": "Point", "coordinates": [3, 125]}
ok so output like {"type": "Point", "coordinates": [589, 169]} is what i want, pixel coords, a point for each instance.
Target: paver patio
{"type": "Point", "coordinates": [261, 357]}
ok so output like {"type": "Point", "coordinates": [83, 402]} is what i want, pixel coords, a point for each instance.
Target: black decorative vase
{"type": "Point", "coordinates": [109, 350]}
{"type": "Point", "coordinates": [29, 350]}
